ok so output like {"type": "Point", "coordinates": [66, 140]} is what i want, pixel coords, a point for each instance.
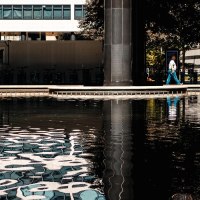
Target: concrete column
{"type": "Point", "coordinates": [23, 36]}
{"type": "Point", "coordinates": [117, 44]}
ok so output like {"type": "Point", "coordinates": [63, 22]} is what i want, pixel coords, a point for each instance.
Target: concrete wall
{"type": "Point", "coordinates": [66, 57]}
{"type": "Point", "coordinates": [62, 54]}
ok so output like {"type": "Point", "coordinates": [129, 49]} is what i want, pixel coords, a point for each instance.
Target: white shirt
{"type": "Point", "coordinates": [172, 113]}
{"type": "Point", "coordinates": [172, 66]}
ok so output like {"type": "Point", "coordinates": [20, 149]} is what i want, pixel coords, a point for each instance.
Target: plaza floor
{"type": "Point", "coordinates": [97, 92]}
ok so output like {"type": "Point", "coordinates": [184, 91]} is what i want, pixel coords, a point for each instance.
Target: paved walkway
{"type": "Point", "coordinates": [83, 92]}
{"type": "Point", "coordinates": [97, 87]}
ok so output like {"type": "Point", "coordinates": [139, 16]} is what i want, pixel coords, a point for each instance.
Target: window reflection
{"type": "Point", "coordinates": [17, 12]}
{"type": "Point", "coordinates": [57, 12]}
{"type": "Point", "coordinates": [27, 12]}
{"type": "Point", "coordinates": [60, 12]}
{"type": "Point", "coordinates": [67, 12]}
{"type": "Point", "coordinates": [0, 12]}
{"type": "Point", "coordinates": [37, 12]}
{"type": "Point", "coordinates": [7, 12]}
{"type": "Point", "coordinates": [47, 12]}
{"type": "Point", "coordinates": [79, 12]}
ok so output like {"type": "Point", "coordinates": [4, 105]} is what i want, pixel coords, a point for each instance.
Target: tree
{"type": "Point", "coordinates": [167, 23]}
{"type": "Point", "coordinates": [177, 22]}
{"type": "Point", "coordinates": [154, 58]}
{"type": "Point", "coordinates": [92, 25]}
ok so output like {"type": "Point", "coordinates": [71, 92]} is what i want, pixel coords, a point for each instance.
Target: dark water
{"type": "Point", "coordinates": [97, 150]}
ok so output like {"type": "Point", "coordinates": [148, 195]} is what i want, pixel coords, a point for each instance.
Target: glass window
{"type": "Point", "coordinates": [57, 12]}
{"type": "Point", "coordinates": [17, 12]}
{"type": "Point", "coordinates": [67, 12]}
{"type": "Point", "coordinates": [27, 12]}
{"type": "Point", "coordinates": [78, 13]}
{"type": "Point", "coordinates": [37, 12]}
{"type": "Point", "coordinates": [7, 12]}
{"type": "Point", "coordinates": [0, 12]}
{"type": "Point", "coordinates": [47, 12]}
{"type": "Point", "coordinates": [40, 12]}
{"type": "Point", "coordinates": [84, 10]}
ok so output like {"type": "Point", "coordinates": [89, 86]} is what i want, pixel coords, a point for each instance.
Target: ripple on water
{"type": "Point", "coordinates": [46, 156]}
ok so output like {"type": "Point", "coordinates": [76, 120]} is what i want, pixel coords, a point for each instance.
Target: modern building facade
{"type": "Point", "coordinates": [193, 57]}
{"type": "Point", "coordinates": [25, 20]}
{"type": "Point", "coordinates": [30, 48]}
{"type": "Point", "coordinates": [39, 19]}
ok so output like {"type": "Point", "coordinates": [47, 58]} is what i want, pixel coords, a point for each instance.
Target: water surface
{"type": "Point", "coordinates": [97, 150]}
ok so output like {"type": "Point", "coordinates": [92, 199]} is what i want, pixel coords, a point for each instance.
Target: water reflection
{"type": "Point", "coordinates": [153, 146]}
{"type": "Point", "coordinates": [172, 108]}
{"type": "Point", "coordinates": [125, 129]}
{"type": "Point", "coordinates": [172, 150]}
{"type": "Point", "coordinates": [44, 164]}
{"type": "Point", "coordinates": [47, 163]}
{"type": "Point", "coordinates": [97, 150]}
{"type": "Point", "coordinates": [118, 154]}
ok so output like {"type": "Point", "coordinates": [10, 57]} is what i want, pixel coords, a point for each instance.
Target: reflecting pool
{"type": "Point", "coordinates": [100, 150]}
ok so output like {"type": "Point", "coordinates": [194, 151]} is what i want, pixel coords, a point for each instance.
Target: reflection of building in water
{"type": "Point", "coordinates": [44, 164]}
{"type": "Point", "coordinates": [4, 114]}
{"type": "Point", "coordinates": [192, 108]}
{"type": "Point", "coordinates": [118, 150]}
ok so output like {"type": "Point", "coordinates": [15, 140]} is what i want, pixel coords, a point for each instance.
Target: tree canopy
{"type": "Point", "coordinates": [172, 24]}
{"type": "Point", "coordinates": [93, 23]}
{"type": "Point", "coordinates": [167, 23]}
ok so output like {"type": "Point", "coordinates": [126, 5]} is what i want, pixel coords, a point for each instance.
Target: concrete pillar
{"type": "Point", "coordinates": [23, 36]}
{"type": "Point", "coordinates": [117, 44]}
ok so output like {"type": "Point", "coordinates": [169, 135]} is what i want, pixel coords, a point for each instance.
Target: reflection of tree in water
{"type": "Point", "coordinates": [171, 154]}
{"type": "Point", "coordinates": [186, 160]}
{"type": "Point", "coordinates": [141, 149]}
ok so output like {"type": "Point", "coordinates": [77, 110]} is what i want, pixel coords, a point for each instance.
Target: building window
{"type": "Point", "coordinates": [84, 10]}
{"type": "Point", "coordinates": [17, 12]}
{"type": "Point", "coordinates": [47, 12]}
{"type": "Point", "coordinates": [0, 12]}
{"type": "Point", "coordinates": [7, 12]}
{"type": "Point", "coordinates": [37, 12]}
{"type": "Point", "coordinates": [57, 12]}
{"type": "Point", "coordinates": [79, 12]}
{"type": "Point", "coordinates": [67, 12]}
{"type": "Point", "coordinates": [27, 12]}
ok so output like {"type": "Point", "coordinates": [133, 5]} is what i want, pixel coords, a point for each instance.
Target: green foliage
{"type": "Point", "coordinates": [172, 24]}
{"type": "Point", "coordinates": [168, 24]}
{"type": "Point", "coordinates": [93, 24]}
{"type": "Point", "coordinates": [154, 58]}
{"type": "Point", "coordinates": [178, 20]}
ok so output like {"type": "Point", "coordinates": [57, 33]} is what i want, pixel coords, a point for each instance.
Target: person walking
{"type": "Point", "coordinates": [172, 71]}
